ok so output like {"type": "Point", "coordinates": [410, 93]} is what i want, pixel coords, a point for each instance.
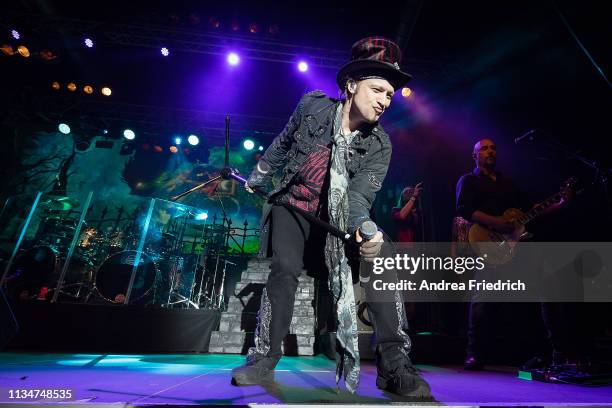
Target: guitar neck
{"type": "Point", "coordinates": [540, 208]}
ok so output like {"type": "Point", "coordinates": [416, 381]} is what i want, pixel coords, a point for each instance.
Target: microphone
{"type": "Point", "coordinates": [527, 135]}
{"type": "Point", "coordinates": [367, 231]}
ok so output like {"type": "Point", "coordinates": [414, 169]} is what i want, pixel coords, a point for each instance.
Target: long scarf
{"type": "Point", "coordinates": [340, 278]}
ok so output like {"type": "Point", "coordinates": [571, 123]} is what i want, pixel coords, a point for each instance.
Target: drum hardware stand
{"type": "Point", "coordinates": [174, 293]}
{"type": "Point", "coordinates": [203, 264]}
{"type": "Point", "coordinates": [221, 297]}
{"type": "Point", "coordinates": [207, 299]}
{"type": "Point", "coordinates": [213, 296]}
{"type": "Point", "coordinates": [175, 260]}
{"type": "Point", "coordinates": [228, 173]}
{"type": "Point", "coordinates": [75, 240]}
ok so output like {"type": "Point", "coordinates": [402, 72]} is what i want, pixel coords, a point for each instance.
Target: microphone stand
{"type": "Point", "coordinates": [231, 174]}
{"type": "Point", "coordinates": [228, 173]}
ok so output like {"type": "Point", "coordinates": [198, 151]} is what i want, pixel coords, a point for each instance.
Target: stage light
{"type": "Point", "coordinates": [303, 66]}
{"type": "Point", "coordinates": [165, 52]}
{"type": "Point", "coordinates": [202, 216]}
{"type": "Point", "coordinates": [71, 86]}
{"type": "Point", "coordinates": [253, 28]}
{"type": "Point", "coordinates": [173, 149]}
{"type": "Point", "coordinates": [7, 49]}
{"type": "Point", "coordinates": [105, 131]}
{"type": "Point", "coordinates": [88, 89]}
{"type": "Point", "coordinates": [261, 148]}
{"type": "Point", "coordinates": [233, 58]}
{"type": "Point", "coordinates": [23, 51]}
{"type": "Point", "coordinates": [89, 43]}
{"type": "Point", "coordinates": [158, 149]}
{"type": "Point", "coordinates": [235, 25]}
{"type": "Point", "coordinates": [106, 91]}
{"type": "Point", "coordinates": [406, 92]}
{"type": "Point", "coordinates": [129, 134]}
{"type": "Point", "coordinates": [64, 128]}
{"type": "Point", "coordinates": [248, 144]}
{"type": "Point", "coordinates": [193, 140]}
{"type": "Point", "coordinates": [15, 34]}
{"type": "Point", "coordinates": [56, 86]}
{"type": "Point", "coordinates": [177, 140]}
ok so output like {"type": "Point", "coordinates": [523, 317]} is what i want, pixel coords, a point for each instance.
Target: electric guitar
{"type": "Point", "coordinates": [500, 247]}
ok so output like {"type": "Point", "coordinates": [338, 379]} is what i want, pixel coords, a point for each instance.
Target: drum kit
{"type": "Point", "coordinates": [177, 266]}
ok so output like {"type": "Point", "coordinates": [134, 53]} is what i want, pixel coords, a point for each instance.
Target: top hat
{"type": "Point", "coordinates": [374, 57]}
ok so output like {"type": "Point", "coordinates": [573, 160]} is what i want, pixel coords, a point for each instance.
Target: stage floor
{"type": "Point", "coordinates": [204, 379]}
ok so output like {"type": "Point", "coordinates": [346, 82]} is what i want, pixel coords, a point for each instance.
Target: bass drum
{"type": "Point", "coordinates": [113, 277]}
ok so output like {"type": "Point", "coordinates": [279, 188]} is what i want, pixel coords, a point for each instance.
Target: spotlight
{"type": "Point", "coordinates": [106, 91]}
{"type": "Point", "coordinates": [233, 58]}
{"type": "Point", "coordinates": [158, 149]}
{"type": "Point", "coordinates": [15, 34]}
{"type": "Point", "coordinates": [235, 25]}
{"type": "Point", "coordinates": [23, 51]}
{"type": "Point", "coordinates": [64, 128]}
{"type": "Point", "coordinates": [56, 86]}
{"type": "Point", "coordinates": [173, 149]}
{"type": "Point", "coordinates": [201, 216]}
{"type": "Point", "coordinates": [193, 140]}
{"type": "Point", "coordinates": [165, 52]}
{"type": "Point", "coordinates": [303, 66]}
{"type": "Point", "coordinates": [88, 89]}
{"type": "Point", "coordinates": [406, 92]}
{"type": "Point", "coordinates": [248, 144]}
{"type": "Point", "coordinates": [129, 134]}
{"type": "Point", "coordinates": [177, 140]}
{"type": "Point", "coordinates": [71, 86]}
{"type": "Point", "coordinates": [253, 28]}
{"type": "Point", "coordinates": [261, 148]}
{"type": "Point", "coordinates": [105, 131]}
{"type": "Point", "coordinates": [89, 43]}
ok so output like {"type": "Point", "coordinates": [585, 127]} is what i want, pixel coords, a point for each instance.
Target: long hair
{"type": "Point", "coordinates": [405, 196]}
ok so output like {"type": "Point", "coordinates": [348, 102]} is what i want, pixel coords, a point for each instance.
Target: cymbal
{"type": "Point", "coordinates": [59, 203]}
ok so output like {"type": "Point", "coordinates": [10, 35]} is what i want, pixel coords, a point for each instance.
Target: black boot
{"type": "Point", "coordinates": [259, 372]}
{"type": "Point", "coordinates": [397, 375]}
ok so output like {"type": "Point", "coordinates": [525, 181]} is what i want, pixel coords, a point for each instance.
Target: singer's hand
{"type": "Point", "coordinates": [248, 189]}
{"type": "Point", "coordinates": [369, 250]}
{"type": "Point", "coordinates": [418, 189]}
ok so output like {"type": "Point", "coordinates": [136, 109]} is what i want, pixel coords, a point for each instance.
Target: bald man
{"type": "Point", "coordinates": [482, 197]}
